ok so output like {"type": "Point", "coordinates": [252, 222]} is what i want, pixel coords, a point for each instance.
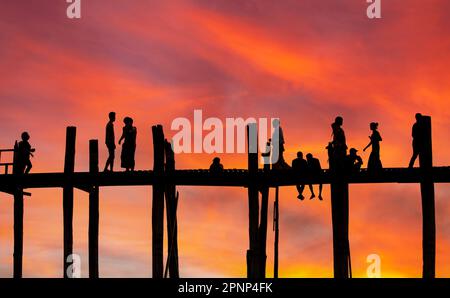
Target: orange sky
{"type": "Point", "coordinates": [302, 61]}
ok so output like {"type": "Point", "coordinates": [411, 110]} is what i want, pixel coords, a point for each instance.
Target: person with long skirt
{"type": "Point", "coordinates": [374, 163]}
{"type": "Point", "coordinates": [129, 145]}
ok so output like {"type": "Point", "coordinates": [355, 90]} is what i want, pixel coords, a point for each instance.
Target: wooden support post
{"type": "Point", "coordinates": [69, 167]}
{"type": "Point", "coordinates": [339, 213]}
{"type": "Point", "coordinates": [427, 193]}
{"type": "Point", "coordinates": [253, 202]}
{"type": "Point", "coordinates": [18, 219]}
{"type": "Point", "coordinates": [276, 227]}
{"type": "Point", "coordinates": [262, 233]}
{"type": "Point", "coordinates": [340, 221]}
{"type": "Point", "coordinates": [158, 202]}
{"type": "Point", "coordinates": [171, 214]}
{"type": "Point", "coordinates": [93, 211]}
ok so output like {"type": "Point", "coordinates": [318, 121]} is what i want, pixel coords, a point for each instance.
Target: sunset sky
{"type": "Point", "coordinates": [304, 61]}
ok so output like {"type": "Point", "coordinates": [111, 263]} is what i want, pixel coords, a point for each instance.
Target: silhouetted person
{"type": "Point", "coordinates": [417, 141]}
{"type": "Point", "coordinates": [216, 166]}
{"type": "Point", "coordinates": [266, 155]}
{"type": "Point", "coordinates": [299, 165]}
{"type": "Point", "coordinates": [339, 144]}
{"type": "Point", "coordinates": [353, 161]}
{"type": "Point", "coordinates": [315, 170]}
{"type": "Point", "coordinates": [278, 140]}
{"type": "Point", "coordinates": [129, 145]}
{"type": "Point", "coordinates": [24, 152]}
{"type": "Point", "coordinates": [110, 142]}
{"type": "Point", "coordinates": [374, 163]}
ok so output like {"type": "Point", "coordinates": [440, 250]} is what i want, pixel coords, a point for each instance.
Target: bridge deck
{"type": "Point", "coordinates": [232, 177]}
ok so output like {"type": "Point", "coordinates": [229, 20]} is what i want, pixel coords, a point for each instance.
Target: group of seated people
{"type": "Point", "coordinates": [310, 166]}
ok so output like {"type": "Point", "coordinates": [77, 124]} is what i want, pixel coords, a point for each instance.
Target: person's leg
{"type": "Point", "coordinates": [312, 192]}
{"type": "Point", "coordinates": [413, 158]}
{"type": "Point", "coordinates": [300, 189]}
{"type": "Point", "coordinates": [108, 161]}
{"type": "Point", "coordinates": [107, 164]}
{"type": "Point", "coordinates": [112, 156]}
{"type": "Point", "coordinates": [28, 166]}
{"type": "Point", "coordinates": [320, 192]}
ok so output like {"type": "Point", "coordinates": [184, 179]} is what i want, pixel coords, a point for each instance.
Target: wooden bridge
{"type": "Point", "coordinates": [164, 178]}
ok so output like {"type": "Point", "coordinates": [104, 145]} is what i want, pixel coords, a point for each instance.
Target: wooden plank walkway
{"type": "Point", "coordinates": [200, 177]}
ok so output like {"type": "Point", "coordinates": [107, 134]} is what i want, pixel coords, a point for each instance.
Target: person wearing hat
{"type": "Point", "coordinates": [374, 163]}
{"type": "Point", "coordinates": [24, 153]}
{"type": "Point", "coordinates": [354, 162]}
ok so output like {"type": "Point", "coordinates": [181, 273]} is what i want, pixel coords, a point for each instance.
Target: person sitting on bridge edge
{"type": "Point", "coordinates": [216, 166]}
{"type": "Point", "coordinates": [110, 142]}
{"type": "Point", "coordinates": [417, 141]}
{"type": "Point", "coordinates": [24, 153]}
{"type": "Point", "coordinates": [315, 170]}
{"type": "Point", "coordinates": [353, 162]}
{"type": "Point", "coordinates": [299, 165]}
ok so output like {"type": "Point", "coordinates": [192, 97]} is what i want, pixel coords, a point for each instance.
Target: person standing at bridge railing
{"type": "Point", "coordinates": [337, 149]}
{"type": "Point", "coordinates": [110, 142]}
{"type": "Point", "coordinates": [417, 141]}
{"type": "Point", "coordinates": [24, 153]}
{"type": "Point", "coordinates": [278, 161]}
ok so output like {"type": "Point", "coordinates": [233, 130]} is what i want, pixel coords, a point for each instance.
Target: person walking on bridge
{"type": "Point", "coordinates": [110, 142]}
{"type": "Point", "coordinates": [374, 164]}
{"type": "Point", "coordinates": [417, 141]}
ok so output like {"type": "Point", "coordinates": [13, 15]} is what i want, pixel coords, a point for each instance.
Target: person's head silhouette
{"type": "Point", "coordinates": [25, 136]}
{"type": "Point", "coordinates": [374, 125]}
{"type": "Point", "coordinates": [309, 156]}
{"type": "Point", "coordinates": [216, 160]}
{"type": "Point", "coordinates": [353, 152]}
{"type": "Point", "coordinates": [128, 121]}
{"type": "Point", "coordinates": [339, 121]}
{"type": "Point", "coordinates": [112, 116]}
{"type": "Point", "coordinates": [300, 154]}
{"type": "Point", "coordinates": [418, 116]}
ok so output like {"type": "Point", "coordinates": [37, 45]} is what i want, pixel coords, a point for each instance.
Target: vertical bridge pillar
{"type": "Point", "coordinates": [171, 214]}
{"type": "Point", "coordinates": [253, 202]}
{"type": "Point", "coordinates": [69, 166]}
{"type": "Point", "coordinates": [93, 211]}
{"type": "Point", "coordinates": [158, 203]}
{"type": "Point", "coordinates": [340, 217]}
{"type": "Point", "coordinates": [18, 218]}
{"type": "Point", "coordinates": [427, 193]}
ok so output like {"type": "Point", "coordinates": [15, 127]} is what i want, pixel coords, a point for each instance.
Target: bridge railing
{"type": "Point", "coordinates": [6, 165]}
